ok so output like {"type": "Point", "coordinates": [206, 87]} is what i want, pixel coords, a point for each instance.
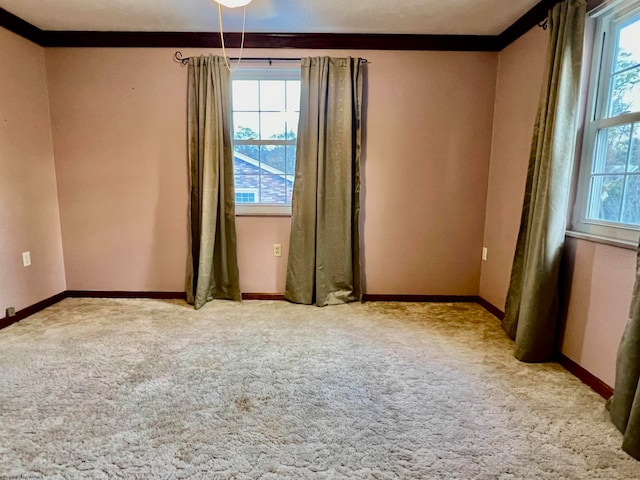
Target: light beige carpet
{"type": "Point", "coordinates": [98, 388]}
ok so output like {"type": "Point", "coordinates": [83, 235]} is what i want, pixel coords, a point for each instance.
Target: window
{"type": "Point", "coordinates": [266, 107]}
{"type": "Point", "coordinates": [608, 196]}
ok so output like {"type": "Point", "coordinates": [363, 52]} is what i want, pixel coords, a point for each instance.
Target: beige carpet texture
{"type": "Point", "coordinates": [104, 389]}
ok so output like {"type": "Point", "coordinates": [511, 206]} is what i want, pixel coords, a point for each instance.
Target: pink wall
{"type": "Point", "coordinates": [599, 277]}
{"type": "Point", "coordinates": [599, 296]}
{"type": "Point", "coordinates": [119, 136]}
{"type": "Point", "coordinates": [120, 140]}
{"type": "Point", "coordinates": [29, 216]}
{"type": "Point", "coordinates": [426, 167]}
{"type": "Point", "coordinates": [520, 69]}
{"type": "Point", "coordinates": [260, 271]}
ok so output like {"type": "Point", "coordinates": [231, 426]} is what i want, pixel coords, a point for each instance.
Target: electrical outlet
{"type": "Point", "coordinates": [26, 259]}
{"type": "Point", "coordinates": [10, 312]}
{"type": "Point", "coordinates": [277, 250]}
{"type": "Point", "coordinates": [484, 254]}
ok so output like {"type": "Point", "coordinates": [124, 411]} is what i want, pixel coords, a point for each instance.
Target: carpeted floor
{"type": "Point", "coordinates": [99, 388]}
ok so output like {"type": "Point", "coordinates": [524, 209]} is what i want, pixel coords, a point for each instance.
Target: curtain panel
{"type": "Point", "coordinates": [212, 270]}
{"type": "Point", "coordinates": [624, 406]}
{"type": "Point", "coordinates": [531, 308]}
{"type": "Point", "coordinates": [324, 259]}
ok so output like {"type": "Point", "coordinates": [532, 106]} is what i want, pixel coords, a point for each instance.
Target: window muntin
{"type": "Point", "coordinates": [266, 108]}
{"type": "Point", "coordinates": [608, 196]}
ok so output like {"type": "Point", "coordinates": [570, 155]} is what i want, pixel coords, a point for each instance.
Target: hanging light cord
{"type": "Point", "coordinates": [244, 19]}
{"type": "Point", "coordinates": [224, 50]}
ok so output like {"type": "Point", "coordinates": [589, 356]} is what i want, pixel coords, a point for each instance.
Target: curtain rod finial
{"type": "Point", "coordinates": [179, 58]}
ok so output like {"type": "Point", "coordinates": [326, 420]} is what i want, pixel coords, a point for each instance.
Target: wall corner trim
{"type": "Point", "coordinates": [126, 294]}
{"type": "Point", "coordinates": [491, 308]}
{"type": "Point", "coordinates": [35, 308]}
{"type": "Point", "coordinates": [263, 296]}
{"type": "Point", "coordinates": [586, 377]}
{"type": "Point", "coordinates": [15, 24]}
{"type": "Point", "coordinates": [384, 297]}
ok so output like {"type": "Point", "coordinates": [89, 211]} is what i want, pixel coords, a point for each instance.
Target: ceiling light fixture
{"type": "Point", "coordinates": [234, 3]}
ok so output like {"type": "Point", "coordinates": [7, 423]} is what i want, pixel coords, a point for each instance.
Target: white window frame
{"type": "Point", "coordinates": [274, 70]}
{"type": "Point", "coordinates": [607, 21]}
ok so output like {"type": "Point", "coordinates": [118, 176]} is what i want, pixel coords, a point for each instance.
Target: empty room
{"type": "Point", "coordinates": [247, 239]}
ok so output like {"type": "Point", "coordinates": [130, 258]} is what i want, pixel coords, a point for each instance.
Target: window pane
{"type": "Point", "coordinates": [245, 95]}
{"type": "Point", "coordinates": [634, 158]}
{"type": "Point", "coordinates": [291, 160]}
{"type": "Point", "coordinates": [608, 194]}
{"type": "Point", "coordinates": [251, 151]}
{"type": "Point", "coordinates": [289, 179]}
{"type": "Point", "coordinates": [272, 126]}
{"type": "Point", "coordinates": [612, 150]}
{"type": "Point", "coordinates": [605, 200]}
{"type": "Point", "coordinates": [273, 156]}
{"type": "Point", "coordinates": [631, 209]}
{"type": "Point", "coordinates": [272, 95]}
{"type": "Point", "coordinates": [625, 92]}
{"type": "Point", "coordinates": [242, 167]}
{"type": "Point", "coordinates": [247, 182]}
{"type": "Point", "coordinates": [273, 189]}
{"type": "Point", "coordinates": [245, 162]}
{"type": "Point", "coordinates": [263, 111]}
{"type": "Point", "coordinates": [246, 125]}
{"type": "Point", "coordinates": [292, 125]}
{"type": "Point", "coordinates": [293, 95]}
{"type": "Point", "coordinates": [628, 51]}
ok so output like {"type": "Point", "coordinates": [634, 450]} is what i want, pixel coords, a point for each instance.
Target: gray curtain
{"type": "Point", "coordinates": [624, 406]}
{"type": "Point", "coordinates": [531, 307]}
{"type": "Point", "coordinates": [324, 259]}
{"type": "Point", "coordinates": [212, 270]}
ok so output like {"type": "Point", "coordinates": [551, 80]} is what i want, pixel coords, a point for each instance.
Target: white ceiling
{"type": "Point", "coordinates": [459, 17]}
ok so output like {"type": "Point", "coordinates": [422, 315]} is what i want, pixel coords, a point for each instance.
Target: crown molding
{"type": "Point", "coordinates": [525, 23]}
{"type": "Point", "coordinates": [20, 27]}
{"type": "Point", "coordinates": [532, 18]}
{"type": "Point", "coordinates": [347, 41]}
{"type": "Point", "coordinates": [330, 41]}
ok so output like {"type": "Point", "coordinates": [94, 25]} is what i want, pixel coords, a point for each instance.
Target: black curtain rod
{"type": "Point", "coordinates": [184, 60]}
{"type": "Point", "coordinates": [591, 6]}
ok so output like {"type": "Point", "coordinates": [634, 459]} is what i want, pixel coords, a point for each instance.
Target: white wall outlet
{"type": "Point", "coordinates": [26, 259]}
{"type": "Point", "coordinates": [277, 250]}
{"type": "Point", "coordinates": [484, 254]}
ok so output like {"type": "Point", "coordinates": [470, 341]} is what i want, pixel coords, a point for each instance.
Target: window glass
{"type": "Point", "coordinates": [272, 95]}
{"type": "Point", "coordinates": [246, 95]}
{"type": "Point", "coordinates": [266, 109]}
{"type": "Point", "coordinates": [608, 196]}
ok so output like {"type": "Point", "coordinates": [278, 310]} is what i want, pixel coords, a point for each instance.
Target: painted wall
{"type": "Point", "coordinates": [599, 289]}
{"type": "Point", "coordinates": [520, 70]}
{"type": "Point", "coordinates": [598, 278]}
{"type": "Point", "coordinates": [29, 216]}
{"type": "Point", "coordinates": [119, 122]}
{"type": "Point", "coordinates": [119, 128]}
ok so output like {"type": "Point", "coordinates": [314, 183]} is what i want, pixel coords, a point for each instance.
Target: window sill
{"type": "Point", "coordinates": [603, 240]}
{"type": "Point", "coordinates": [263, 210]}
{"type": "Point", "coordinates": [276, 215]}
